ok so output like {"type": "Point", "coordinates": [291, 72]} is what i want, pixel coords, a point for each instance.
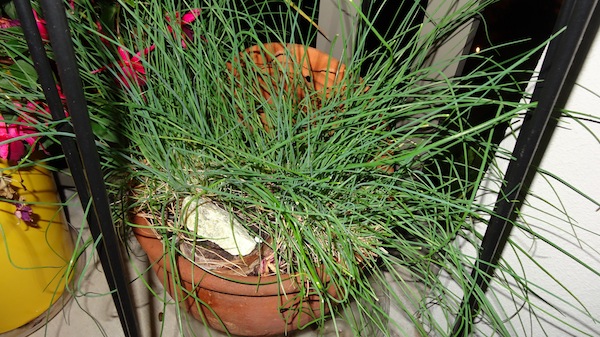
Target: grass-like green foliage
{"type": "Point", "coordinates": [372, 177]}
{"type": "Point", "coordinates": [371, 181]}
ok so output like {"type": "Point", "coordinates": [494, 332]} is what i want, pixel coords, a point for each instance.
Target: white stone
{"type": "Point", "coordinates": [212, 223]}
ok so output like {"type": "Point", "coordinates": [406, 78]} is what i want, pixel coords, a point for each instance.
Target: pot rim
{"type": "Point", "coordinates": [214, 280]}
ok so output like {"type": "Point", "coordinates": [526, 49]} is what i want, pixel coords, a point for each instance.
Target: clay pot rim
{"type": "Point", "coordinates": [214, 280]}
{"type": "Point", "coordinates": [306, 53]}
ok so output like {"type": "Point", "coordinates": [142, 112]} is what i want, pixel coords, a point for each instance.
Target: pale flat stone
{"type": "Point", "coordinates": [210, 222]}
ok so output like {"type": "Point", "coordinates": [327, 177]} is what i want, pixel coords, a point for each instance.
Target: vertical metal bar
{"type": "Point", "coordinates": [82, 157]}
{"type": "Point", "coordinates": [46, 80]}
{"type": "Point", "coordinates": [575, 16]}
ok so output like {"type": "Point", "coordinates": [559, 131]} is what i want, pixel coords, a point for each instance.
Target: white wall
{"type": "Point", "coordinates": [571, 290]}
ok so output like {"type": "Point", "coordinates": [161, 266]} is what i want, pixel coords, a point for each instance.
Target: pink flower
{"type": "Point", "coordinates": [37, 107]}
{"type": "Point", "coordinates": [41, 24]}
{"type": "Point", "coordinates": [60, 94]}
{"type": "Point", "coordinates": [184, 22]}
{"type": "Point", "coordinates": [7, 23]}
{"type": "Point", "coordinates": [14, 150]}
{"type": "Point", "coordinates": [23, 126]}
{"type": "Point", "coordinates": [132, 69]}
{"type": "Point", "coordinates": [102, 36]}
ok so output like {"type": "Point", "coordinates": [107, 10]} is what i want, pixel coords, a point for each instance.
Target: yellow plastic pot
{"type": "Point", "coordinates": [33, 256]}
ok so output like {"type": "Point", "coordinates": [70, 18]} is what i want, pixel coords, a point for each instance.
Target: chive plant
{"type": "Point", "coordinates": [366, 178]}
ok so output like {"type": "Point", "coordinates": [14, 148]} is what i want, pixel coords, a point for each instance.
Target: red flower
{"type": "Point", "coordinates": [184, 22]}
{"type": "Point", "coordinates": [132, 69]}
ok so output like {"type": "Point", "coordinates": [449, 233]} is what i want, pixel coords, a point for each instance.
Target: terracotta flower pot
{"type": "Point", "coordinates": [298, 69]}
{"type": "Point", "coordinates": [239, 305]}
{"type": "Point", "coordinates": [247, 305]}
{"type": "Point", "coordinates": [318, 69]}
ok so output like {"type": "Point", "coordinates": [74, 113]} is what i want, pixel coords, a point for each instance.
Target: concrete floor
{"type": "Point", "coordinates": [91, 311]}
